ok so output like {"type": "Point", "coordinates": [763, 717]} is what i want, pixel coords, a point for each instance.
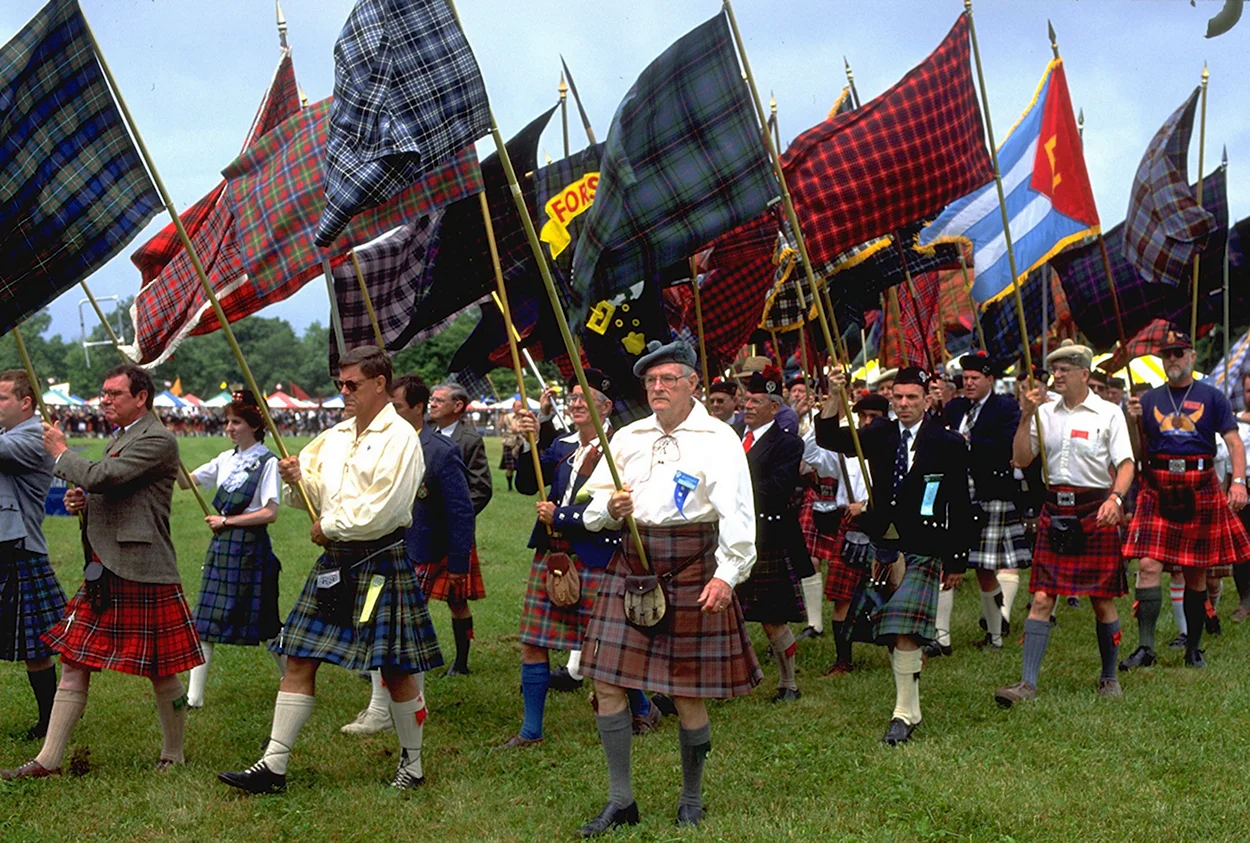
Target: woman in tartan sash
{"type": "Point", "coordinates": [238, 602]}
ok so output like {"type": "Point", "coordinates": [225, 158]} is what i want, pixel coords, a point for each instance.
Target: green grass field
{"type": "Point", "coordinates": [1165, 763]}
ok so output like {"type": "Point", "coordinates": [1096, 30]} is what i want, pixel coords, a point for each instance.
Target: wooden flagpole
{"type": "Point", "coordinates": [336, 322]}
{"type": "Point", "coordinates": [1011, 253]}
{"type": "Point", "coordinates": [529, 361]}
{"type": "Point", "coordinates": [1202, 145]}
{"type": "Point", "coordinates": [698, 323]}
{"type": "Point", "coordinates": [1227, 339]}
{"type": "Point", "coordinates": [364, 292]}
{"type": "Point", "coordinates": [568, 74]}
{"type": "Point", "coordinates": [195, 262]}
{"type": "Point", "coordinates": [793, 219]}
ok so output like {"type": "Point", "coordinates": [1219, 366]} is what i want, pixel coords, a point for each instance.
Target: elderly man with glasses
{"type": "Point", "coordinates": [687, 484]}
{"type": "Point", "coordinates": [1090, 465]}
{"type": "Point", "coordinates": [1183, 518]}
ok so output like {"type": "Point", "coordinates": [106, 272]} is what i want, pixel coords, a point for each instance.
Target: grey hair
{"type": "Point", "coordinates": [455, 391]}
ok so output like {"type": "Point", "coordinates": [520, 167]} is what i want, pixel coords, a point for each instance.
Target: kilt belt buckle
{"type": "Point", "coordinates": [1066, 498]}
{"type": "Point", "coordinates": [1176, 466]}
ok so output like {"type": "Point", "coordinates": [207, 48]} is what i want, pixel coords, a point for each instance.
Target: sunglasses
{"type": "Point", "coordinates": [349, 385]}
{"type": "Point", "coordinates": [1173, 352]}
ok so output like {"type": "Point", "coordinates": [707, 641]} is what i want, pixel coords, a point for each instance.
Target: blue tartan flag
{"type": "Point", "coordinates": [408, 96]}
{"type": "Point", "coordinates": [1165, 226]}
{"type": "Point", "coordinates": [73, 190]}
{"type": "Point", "coordinates": [684, 162]}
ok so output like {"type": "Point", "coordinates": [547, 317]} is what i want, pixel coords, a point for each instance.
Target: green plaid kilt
{"type": "Point", "coordinates": [31, 602]}
{"type": "Point", "coordinates": [399, 635]}
{"type": "Point", "coordinates": [238, 602]}
{"type": "Point", "coordinates": [912, 609]}
{"type": "Point", "coordinates": [552, 627]}
{"type": "Point", "coordinates": [772, 593]}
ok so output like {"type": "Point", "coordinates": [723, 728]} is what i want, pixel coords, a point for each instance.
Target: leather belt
{"type": "Point", "coordinates": [1077, 497]}
{"type": "Point", "coordinates": [1178, 465]}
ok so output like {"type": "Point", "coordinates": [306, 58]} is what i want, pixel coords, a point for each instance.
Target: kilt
{"type": "Point", "coordinates": [912, 609]}
{"type": "Point", "coordinates": [557, 627]}
{"type": "Point", "coordinates": [773, 593]}
{"type": "Point", "coordinates": [508, 457]}
{"type": "Point", "coordinates": [238, 602]}
{"type": "Point", "coordinates": [434, 582]}
{"type": "Point", "coordinates": [1097, 572]}
{"type": "Point", "coordinates": [819, 545]}
{"type": "Point", "coordinates": [697, 654]}
{"type": "Point", "coordinates": [1003, 543]}
{"type": "Point", "coordinates": [398, 637]}
{"type": "Point", "coordinates": [145, 631]}
{"type": "Point", "coordinates": [841, 580]}
{"type": "Point", "coordinates": [1214, 536]}
{"type": "Point", "coordinates": [31, 602]}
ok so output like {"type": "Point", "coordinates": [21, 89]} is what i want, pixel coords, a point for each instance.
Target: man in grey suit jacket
{"type": "Point", "coordinates": [130, 614]}
{"type": "Point", "coordinates": [448, 402]}
{"type": "Point", "coordinates": [31, 599]}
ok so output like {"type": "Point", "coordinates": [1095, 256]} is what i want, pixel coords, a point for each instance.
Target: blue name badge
{"type": "Point", "coordinates": [931, 484]}
{"type": "Point", "coordinates": [683, 485]}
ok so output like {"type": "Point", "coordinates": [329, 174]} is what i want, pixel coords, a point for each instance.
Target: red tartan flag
{"type": "Point", "coordinates": [1144, 342]}
{"type": "Point", "coordinates": [902, 157]}
{"type": "Point", "coordinates": [738, 277]}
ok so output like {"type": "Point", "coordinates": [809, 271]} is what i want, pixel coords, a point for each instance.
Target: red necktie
{"type": "Point", "coordinates": [748, 441]}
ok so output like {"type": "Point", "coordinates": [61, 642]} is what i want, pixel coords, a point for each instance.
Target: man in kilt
{"type": "Point", "coordinates": [448, 403]}
{"type": "Point", "coordinates": [773, 595]}
{"type": "Point", "coordinates": [238, 601]}
{"type": "Point", "coordinates": [509, 441]}
{"type": "Point", "coordinates": [130, 614]}
{"type": "Point", "coordinates": [688, 487]}
{"type": "Point", "coordinates": [1182, 516]}
{"type": "Point", "coordinates": [831, 509]}
{"type": "Point", "coordinates": [923, 514]}
{"type": "Point", "coordinates": [987, 421]}
{"type": "Point", "coordinates": [1089, 460]}
{"type": "Point", "coordinates": [31, 599]}
{"type": "Point", "coordinates": [361, 607]}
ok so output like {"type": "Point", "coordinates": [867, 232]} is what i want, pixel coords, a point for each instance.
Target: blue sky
{"type": "Point", "coordinates": [193, 72]}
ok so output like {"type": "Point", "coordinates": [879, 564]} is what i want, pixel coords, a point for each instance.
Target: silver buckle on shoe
{"type": "Point", "coordinates": [1176, 466]}
{"type": "Point", "coordinates": [1066, 498]}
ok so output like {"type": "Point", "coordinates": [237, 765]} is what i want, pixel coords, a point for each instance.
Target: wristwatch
{"type": "Point", "coordinates": [1240, 480]}
{"type": "Point", "coordinates": [1119, 499]}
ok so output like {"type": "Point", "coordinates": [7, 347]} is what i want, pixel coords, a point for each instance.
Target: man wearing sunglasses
{"type": "Point", "coordinates": [722, 400]}
{"type": "Point", "coordinates": [1183, 518]}
{"type": "Point", "coordinates": [361, 606]}
{"type": "Point", "coordinates": [688, 488]}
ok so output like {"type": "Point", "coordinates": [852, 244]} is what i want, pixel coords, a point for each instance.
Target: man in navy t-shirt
{"type": "Point", "coordinates": [1183, 517]}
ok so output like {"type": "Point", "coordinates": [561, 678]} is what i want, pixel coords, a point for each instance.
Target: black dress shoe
{"type": "Point", "coordinates": [665, 704]}
{"type": "Point", "coordinates": [1142, 657]}
{"type": "Point", "coordinates": [609, 818]}
{"type": "Point", "coordinates": [809, 632]}
{"type": "Point", "coordinates": [1179, 642]}
{"type": "Point", "coordinates": [37, 732]}
{"type": "Point", "coordinates": [933, 649]}
{"type": "Point", "coordinates": [898, 732]}
{"type": "Point", "coordinates": [257, 778]}
{"type": "Point", "coordinates": [1193, 658]}
{"type": "Point", "coordinates": [786, 695]}
{"type": "Point", "coordinates": [689, 816]}
{"type": "Point", "coordinates": [563, 682]}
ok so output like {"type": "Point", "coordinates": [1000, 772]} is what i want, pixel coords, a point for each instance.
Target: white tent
{"type": "Point", "coordinates": [335, 403]}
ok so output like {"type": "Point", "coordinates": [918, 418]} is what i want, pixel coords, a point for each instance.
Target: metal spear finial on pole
{"type": "Point", "coordinates": [281, 25]}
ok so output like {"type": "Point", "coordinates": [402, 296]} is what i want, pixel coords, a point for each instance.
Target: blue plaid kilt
{"type": "Point", "coordinates": [552, 627]}
{"type": "Point", "coordinates": [508, 458]}
{"type": "Point", "coordinates": [772, 593]}
{"type": "Point", "coordinates": [1003, 545]}
{"type": "Point", "coordinates": [238, 602]}
{"type": "Point", "coordinates": [912, 609]}
{"type": "Point", "coordinates": [398, 636]}
{"type": "Point", "coordinates": [31, 602]}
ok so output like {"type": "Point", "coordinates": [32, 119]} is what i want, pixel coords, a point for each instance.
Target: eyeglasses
{"type": "Point", "coordinates": [718, 399]}
{"type": "Point", "coordinates": [112, 394]}
{"type": "Point", "coordinates": [1060, 370]}
{"type": "Point", "coordinates": [667, 381]}
{"type": "Point", "coordinates": [576, 400]}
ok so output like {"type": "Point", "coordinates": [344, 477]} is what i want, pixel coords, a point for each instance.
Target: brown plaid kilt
{"type": "Point", "coordinates": [552, 627]}
{"type": "Point", "coordinates": [1097, 572]}
{"type": "Point", "coordinates": [1003, 545]}
{"type": "Point", "coordinates": [841, 580]}
{"type": "Point", "coordinates": [772, 593]}
{"type": "Point", "coordinates": [434, 581]}
{"type": "Point", "coordinates": [912, 609]}
{"type": "Point", "coordinates": [146, 630]}
{"type": "Point", "coordinates": [697, 655]}
{"type": "Point", "coordinates": [819, 545]}
{"type": "Point", "coordinates": [1214, 536]}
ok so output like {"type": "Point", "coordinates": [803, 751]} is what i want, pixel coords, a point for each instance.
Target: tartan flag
{"type": "Point", "coordinates": [408, 97]}
{"type": "Point", "coordinates": [73, 189]}
{"type": "Point", "coordinates": [1227, 375]}
{"type": "Point", "coordinates": [170, 304]}
{"type": "Point", "coordinates": [683, 163]}
{"type": "Point", "coordinates": [867, 271]}
{"type": "Point", "coordinates": [1046, 193]}
{"type": "Point", "coordinates": [902, 157]}
{"type": "Point", "coordinates": [397, 268]}
{"type": "Point", "coordinates": [1002, 325]}
{"type": "Point", "coordinates": [739, 275]}
{"type": "Point", "coordinates": [1085, 279]}
{"type": "Point", "coordinates": [1142, 343]}
{"type": "Point", "coordinates": [1165, 227]}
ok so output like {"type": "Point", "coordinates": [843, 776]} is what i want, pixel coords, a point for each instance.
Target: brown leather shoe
{"type": "Point", "coordinates": [1239, 615]}
{"type": "Point", "coordinates": [1011, 694]}
{"type": "Point", "coordinates": [649, 723]}
{"type": "Point", "coordinates": [1110, 688]}
{"type": "Point", "coordinates": [840, 669]}
{"type": "Point", "coordinates": [518, 742]}
{"type": "Point", "coordinates": [29, 770]}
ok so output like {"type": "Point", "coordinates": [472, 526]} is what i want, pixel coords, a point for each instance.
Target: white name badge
{"type": "Point", "coordinates": [329, 579]}
{"type": "Point", "coordinates": [931, 484]}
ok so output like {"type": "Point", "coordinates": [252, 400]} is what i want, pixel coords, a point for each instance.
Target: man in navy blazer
{"type": "Point", "coordinates": [442, 522]}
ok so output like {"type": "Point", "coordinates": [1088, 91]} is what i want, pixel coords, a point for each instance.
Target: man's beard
{"type": "Point", "coordinates": [1182, 372]}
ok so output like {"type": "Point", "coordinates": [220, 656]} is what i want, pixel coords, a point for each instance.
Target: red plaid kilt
{"type": "Point", "coordinates": [552, 627]}
{"type": "Point", "coordinates": [697, 654]}
{"type": "Point", "coordinates": [772, 593]}
{"type": "Point", "coordinates": [841, 580]}
{"type": "Point", "coordinates": [433, 579]}
{"type": "Point", "coordinates": [1214, 536]}
{"type": "Point", "coordinates": [819, 545]}
{"type": "Point", "coordinates": [1098, 572]}
{"type": "Point", "coordinates": [146, 631]}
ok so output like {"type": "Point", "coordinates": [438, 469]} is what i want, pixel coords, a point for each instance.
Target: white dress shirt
{"type": "Point", "coordinates": [970, 417]}
{"type": "Point", "coordinates": [757, 433]}
{"type": "Point", "coordinates": [449, 429]}
{"type": "Point", "coordinates": [705, 448]}
{"type": "Point", "coordinates": [1084, 444]}
{"type": "Point", "coordinates": [229, 469]}
{"type": "Point", "coordinates": [826, 463]}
